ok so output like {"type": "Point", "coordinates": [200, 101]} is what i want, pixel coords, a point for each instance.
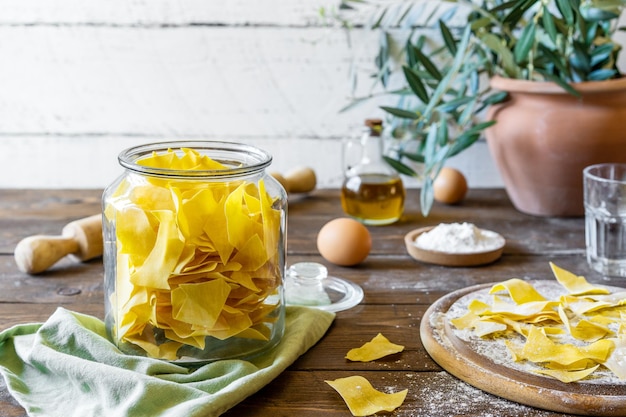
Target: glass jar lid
{"type": "Point", "coordinates": [308, 284]}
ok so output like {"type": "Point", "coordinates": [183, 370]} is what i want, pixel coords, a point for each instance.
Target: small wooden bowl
{"type": "Point", "coordinates": [449, 258]}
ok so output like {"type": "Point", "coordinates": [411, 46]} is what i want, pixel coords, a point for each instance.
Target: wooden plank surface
{"type": "Point", "coordinates": [398, 290]}
{"type": "Point", "coordinates": [431, 394]}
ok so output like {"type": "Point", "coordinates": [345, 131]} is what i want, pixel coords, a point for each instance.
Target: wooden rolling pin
{"type": "Point", "coordinates": [81, 238]}
{"type": "Point", "coordinates": [297, 180]}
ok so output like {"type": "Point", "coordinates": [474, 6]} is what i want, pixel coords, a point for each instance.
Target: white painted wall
{"type": "Point", "coordinates": [81, 80]}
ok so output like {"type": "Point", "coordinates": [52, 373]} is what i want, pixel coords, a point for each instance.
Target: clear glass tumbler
{"type": "Point", "coordinates": [605, 218]}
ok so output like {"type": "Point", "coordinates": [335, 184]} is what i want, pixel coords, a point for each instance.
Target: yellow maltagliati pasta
{"type": "Point", "coordinates": [377, 348]}
{"type": "Point", "coordinates": [195, 259]}
{"type": "Point", "coordinates": [362, 399]}
{"type": "Point", "coordinates": [569, 337]}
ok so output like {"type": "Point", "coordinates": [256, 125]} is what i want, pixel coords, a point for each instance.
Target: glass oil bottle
{"type": "Point", "coordinates": [372, 192]}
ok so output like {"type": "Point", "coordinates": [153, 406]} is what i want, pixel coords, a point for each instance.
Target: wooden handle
{"type": "Point", "coordinates": [35, 254]}
{"type": "Point", "coordinates": [81, 238]}
{"type": "Point", "coordinates": [87, 233]}
{"type": "Point", "coordinates": [301, 180]}
{"type": "Point", "coordinates": [298, 180]}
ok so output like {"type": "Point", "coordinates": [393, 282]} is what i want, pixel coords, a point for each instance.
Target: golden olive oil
{"type": "Point", "coordinates": [374, 199]}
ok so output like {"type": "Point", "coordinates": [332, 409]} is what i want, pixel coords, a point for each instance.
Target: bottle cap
{"type": "Point", "coordinates": [375, 126]}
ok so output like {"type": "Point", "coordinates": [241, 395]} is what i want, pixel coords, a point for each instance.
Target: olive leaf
{"type": "Point", "coordinates": [415, 82]}
{"type": "Point", "coordinates": [447, 37]}
{"type": "Point", "coordinates": [426, 62]}
{"type": "Point", "coordinates": [524, 43]}
{"type": "Point", "coordinates": [402, 113]}
{"type": "Point", "coordinates": [566, 11]}
{"type": "Point", "coordinates": [548, 24]}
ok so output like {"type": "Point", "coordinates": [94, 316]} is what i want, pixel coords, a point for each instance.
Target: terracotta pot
{"type": "Point", "coordinates": [544, 137]}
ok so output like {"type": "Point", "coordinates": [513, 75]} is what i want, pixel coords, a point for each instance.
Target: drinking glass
{"type": "Point", "coordinates": [605, 218]}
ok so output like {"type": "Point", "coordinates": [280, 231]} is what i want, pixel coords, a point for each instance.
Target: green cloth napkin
{"type": "Point", "coordinates": [68, 367]}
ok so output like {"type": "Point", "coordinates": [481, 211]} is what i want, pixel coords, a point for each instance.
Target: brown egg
{"type": "Point", "coordinates": [450, 186]}
{"type": "Point", "coordinates": [344, 242]}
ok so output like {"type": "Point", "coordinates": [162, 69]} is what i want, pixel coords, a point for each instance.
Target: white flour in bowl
{"type": "Point", "coordinates": [459, 238]}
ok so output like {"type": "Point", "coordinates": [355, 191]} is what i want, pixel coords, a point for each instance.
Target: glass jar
{"type": "Point", "coordinates": [372, 191]}
{"type": "Point", "coordinates": [194, 252]}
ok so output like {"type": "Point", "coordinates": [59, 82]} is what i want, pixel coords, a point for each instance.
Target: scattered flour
{"type": "Point", "coordinates": [439, 394]}
{"type": "Point", "coordinates": [459, 238]}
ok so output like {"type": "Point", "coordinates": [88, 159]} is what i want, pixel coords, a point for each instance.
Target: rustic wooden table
{"type": "Point", "coordinates": [398, 290]}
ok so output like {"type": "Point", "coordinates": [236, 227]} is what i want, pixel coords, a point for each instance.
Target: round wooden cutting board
{"type": "Point", "coordinates": [462, 360]}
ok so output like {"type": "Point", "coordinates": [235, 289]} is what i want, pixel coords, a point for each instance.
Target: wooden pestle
{"type": "Point", "coordinates": [81, 238]}
{"type": "Point", "coordinates": [297, 180]}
